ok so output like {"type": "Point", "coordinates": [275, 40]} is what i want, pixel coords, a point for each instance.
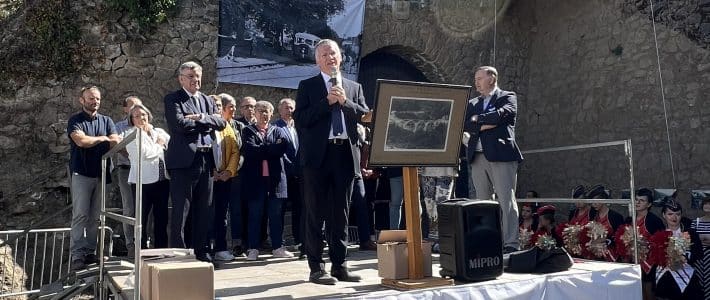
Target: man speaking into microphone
{"type": "Point", "coordinates": [328, 108]}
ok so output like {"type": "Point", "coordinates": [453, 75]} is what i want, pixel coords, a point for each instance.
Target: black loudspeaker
{"type": "Point", "coordinates": [470, 239]}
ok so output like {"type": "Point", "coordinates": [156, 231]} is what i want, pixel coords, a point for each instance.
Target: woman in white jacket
{"type": "Point", "coordinates": [154, 176]}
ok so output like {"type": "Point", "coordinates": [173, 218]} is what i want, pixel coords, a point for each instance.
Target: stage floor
{"type": "Point", "coordinates": [270, 278]}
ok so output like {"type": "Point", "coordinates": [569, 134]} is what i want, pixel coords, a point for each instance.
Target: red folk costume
{"type": "Point", "coordinates": [581, 217]}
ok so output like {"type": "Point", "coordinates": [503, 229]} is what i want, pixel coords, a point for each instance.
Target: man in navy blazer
{"type": "Point", "coordinates": [192, 120]}
{"type": "Point", "coordinates": [328, 108]}
{"type": "Point", "coordinates": [492, 151]}
{"type": "Point", "coordinates": [293, 170]}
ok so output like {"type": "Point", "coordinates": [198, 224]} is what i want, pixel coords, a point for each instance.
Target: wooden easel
{"type": "Point", "coordinates": [414, 239]}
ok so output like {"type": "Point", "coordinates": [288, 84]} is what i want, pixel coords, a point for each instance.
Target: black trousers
{"type": "Point", "coordinates": [220, 204]}
{"type": "Point", "coordinates": [191, 193]}
{"type": "Point", "coordinates": [295, 196]}
{"type": "Point", "coordinates": [155, 198]}
{"type": "Point", "coordinates": [327, 192]}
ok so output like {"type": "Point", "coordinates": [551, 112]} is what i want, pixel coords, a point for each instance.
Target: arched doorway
{"type": "Point", "coordinates": [385, 65]}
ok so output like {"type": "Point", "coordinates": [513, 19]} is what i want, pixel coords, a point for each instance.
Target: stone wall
{"type": "Point", "coordinates": [594, 78]}
{"type": "Point", "coordinates": [33, 140]}
{"type": "Point", "coordinates": [585, 72]}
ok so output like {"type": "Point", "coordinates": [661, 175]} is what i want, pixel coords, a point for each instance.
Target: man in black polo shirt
{"type": "Point", "coordinates": [91, 136]}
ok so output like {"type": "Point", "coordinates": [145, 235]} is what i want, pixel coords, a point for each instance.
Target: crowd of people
{"type": "Point", "coordinates": [223, 171]}
{"type": "Point", "coordinates": [227, 166]}
{"type": "Point", "coordinates": [673, 250]}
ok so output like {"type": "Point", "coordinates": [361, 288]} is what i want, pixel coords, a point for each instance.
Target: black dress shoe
{"type": "Point", "coordinates": [204, 257]}
{"type": "Point", "coordinates": [321, 277]}
{"type": "Point", "coordinates": [78, 264]}
{"type": "Point", "coordinates": [368, 246]}
{"type": "Point", "coordinates": [342, 274]}
{"type": "Point", "coordinates": [91, 259]}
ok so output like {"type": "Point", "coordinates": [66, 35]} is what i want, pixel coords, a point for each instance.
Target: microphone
{"type": "Point", "coordinates": [334, 76]}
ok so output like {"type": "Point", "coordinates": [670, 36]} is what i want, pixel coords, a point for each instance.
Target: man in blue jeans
{"type": "Point", "coordinates": [91, 135]}
{"type": "Point", "coordinates": [396, 196]}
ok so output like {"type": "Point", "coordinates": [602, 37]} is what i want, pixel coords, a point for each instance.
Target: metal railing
{"type": "Point", "coordinates": [137, 135]}
{"type": "Point", "coordinates": [40, 253]}
{"type": "Point", "coordinates": [631, 202]}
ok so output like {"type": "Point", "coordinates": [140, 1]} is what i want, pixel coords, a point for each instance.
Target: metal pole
{"type": "Point", "coordinates": [632, 195]}
{"type": "Point", "coordinates": [138, 228]}
{"type": "Point", "coordinates": [102, 220]}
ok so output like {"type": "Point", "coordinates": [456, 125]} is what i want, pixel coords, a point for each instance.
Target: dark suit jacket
{"type": "Point", "coordinates": [257, 149]}
{"type": "Point", "coordinates": [312, 116]}
{"type": "Point", "coordinates": [184, 132]}
{"type": "Point", "coordinates": [498, 143]}
{"type": "Point", "coordinates": [291, 156]}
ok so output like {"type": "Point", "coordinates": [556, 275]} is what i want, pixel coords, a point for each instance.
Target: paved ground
{"type": "Point", "coordinates": [269, 278]}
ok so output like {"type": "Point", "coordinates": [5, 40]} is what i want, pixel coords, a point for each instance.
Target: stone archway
{"type": "Point", "coordinates": [395, 62]}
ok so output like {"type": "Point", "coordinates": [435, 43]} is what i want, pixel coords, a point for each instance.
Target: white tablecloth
{"type": "Point", "coordinates": [586, 280]}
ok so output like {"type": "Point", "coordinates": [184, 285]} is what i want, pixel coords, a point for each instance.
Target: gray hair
{"type": "Point", "coordinates": [491, 71]}
{"type": "Point", "coordinates": [227, 99]}
{"type": "Point", "coordinates": [129, 98]}
{"type": "Point", "coordinates": [287, 100]}
{"type": "Point", "coordinates": [264, 104]}
{"type": "Point", "coordinates": [247, 98]}
{"type": "Point", "coordinates": [190, 65]}
{"type": "Point", "coordinates": [330, 42]}
{"type": "Point", "coordinates": [142, 107]}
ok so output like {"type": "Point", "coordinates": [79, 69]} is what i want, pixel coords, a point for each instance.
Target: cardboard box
{"type": "Point", "coordinates": [180, 279]}
{"type": "Point", "coordinates": [392, 255]}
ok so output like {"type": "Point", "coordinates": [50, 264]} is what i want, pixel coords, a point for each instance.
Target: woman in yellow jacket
{"type": "Point", "coordinates": [226, 157]}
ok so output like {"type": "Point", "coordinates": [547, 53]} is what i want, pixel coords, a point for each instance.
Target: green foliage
{"type": "Point", "coordinates": [55, 34]}
{"type": "Point", "coordinates": [44, 42]}
{"type": "Point", "coordinates": [147, 13]}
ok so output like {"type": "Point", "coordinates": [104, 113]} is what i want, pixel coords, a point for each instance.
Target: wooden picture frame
{"type": "Point", "coordinates": [417, 123]}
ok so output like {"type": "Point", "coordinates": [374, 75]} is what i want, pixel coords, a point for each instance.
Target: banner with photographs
{"type": "Point", "coordinates": [272, 43]}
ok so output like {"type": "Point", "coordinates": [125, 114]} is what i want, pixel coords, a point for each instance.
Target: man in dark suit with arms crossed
{"type": "Point", "coordinates": [328, 108]}
{"type": "Point", "coordinates": [492, 151]}
{"type": "Point", "coordinates": [192, 120]}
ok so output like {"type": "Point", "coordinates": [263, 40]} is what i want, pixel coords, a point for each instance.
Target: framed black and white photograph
{"type": "Point", "coordinates": [272, 43]}
{"type": "Point", "coordinates": [417, 123]}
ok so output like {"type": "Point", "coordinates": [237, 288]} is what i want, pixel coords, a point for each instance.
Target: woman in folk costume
{"type": "Point", "coordinates": [701, 226]}
{"type": "Point", "coordinates": [528, 219]}
{"type": "Point", "coordinates": [583, 213]}
{"type": "Point", "coordinates": [647, 224]}
{"type": "Point", "coordinates": [527, 224]}
{"type": "Point", "coordinates": [608, 219]}
{"type": "Point", "coordinates": [673, 252]}
{"type": "Point", "coordinates": [546, 225]}
{"type": "Point", "coordinates": [571, 232]}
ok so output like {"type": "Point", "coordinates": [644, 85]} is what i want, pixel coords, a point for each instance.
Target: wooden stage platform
{"type": "Point", "coordinates": [270, 278]}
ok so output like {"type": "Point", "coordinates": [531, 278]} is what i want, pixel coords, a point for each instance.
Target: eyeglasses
{"type": "Point", "coordinates": [190, 76]}
{"type": "Point", "coordinates": [248, 106]}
